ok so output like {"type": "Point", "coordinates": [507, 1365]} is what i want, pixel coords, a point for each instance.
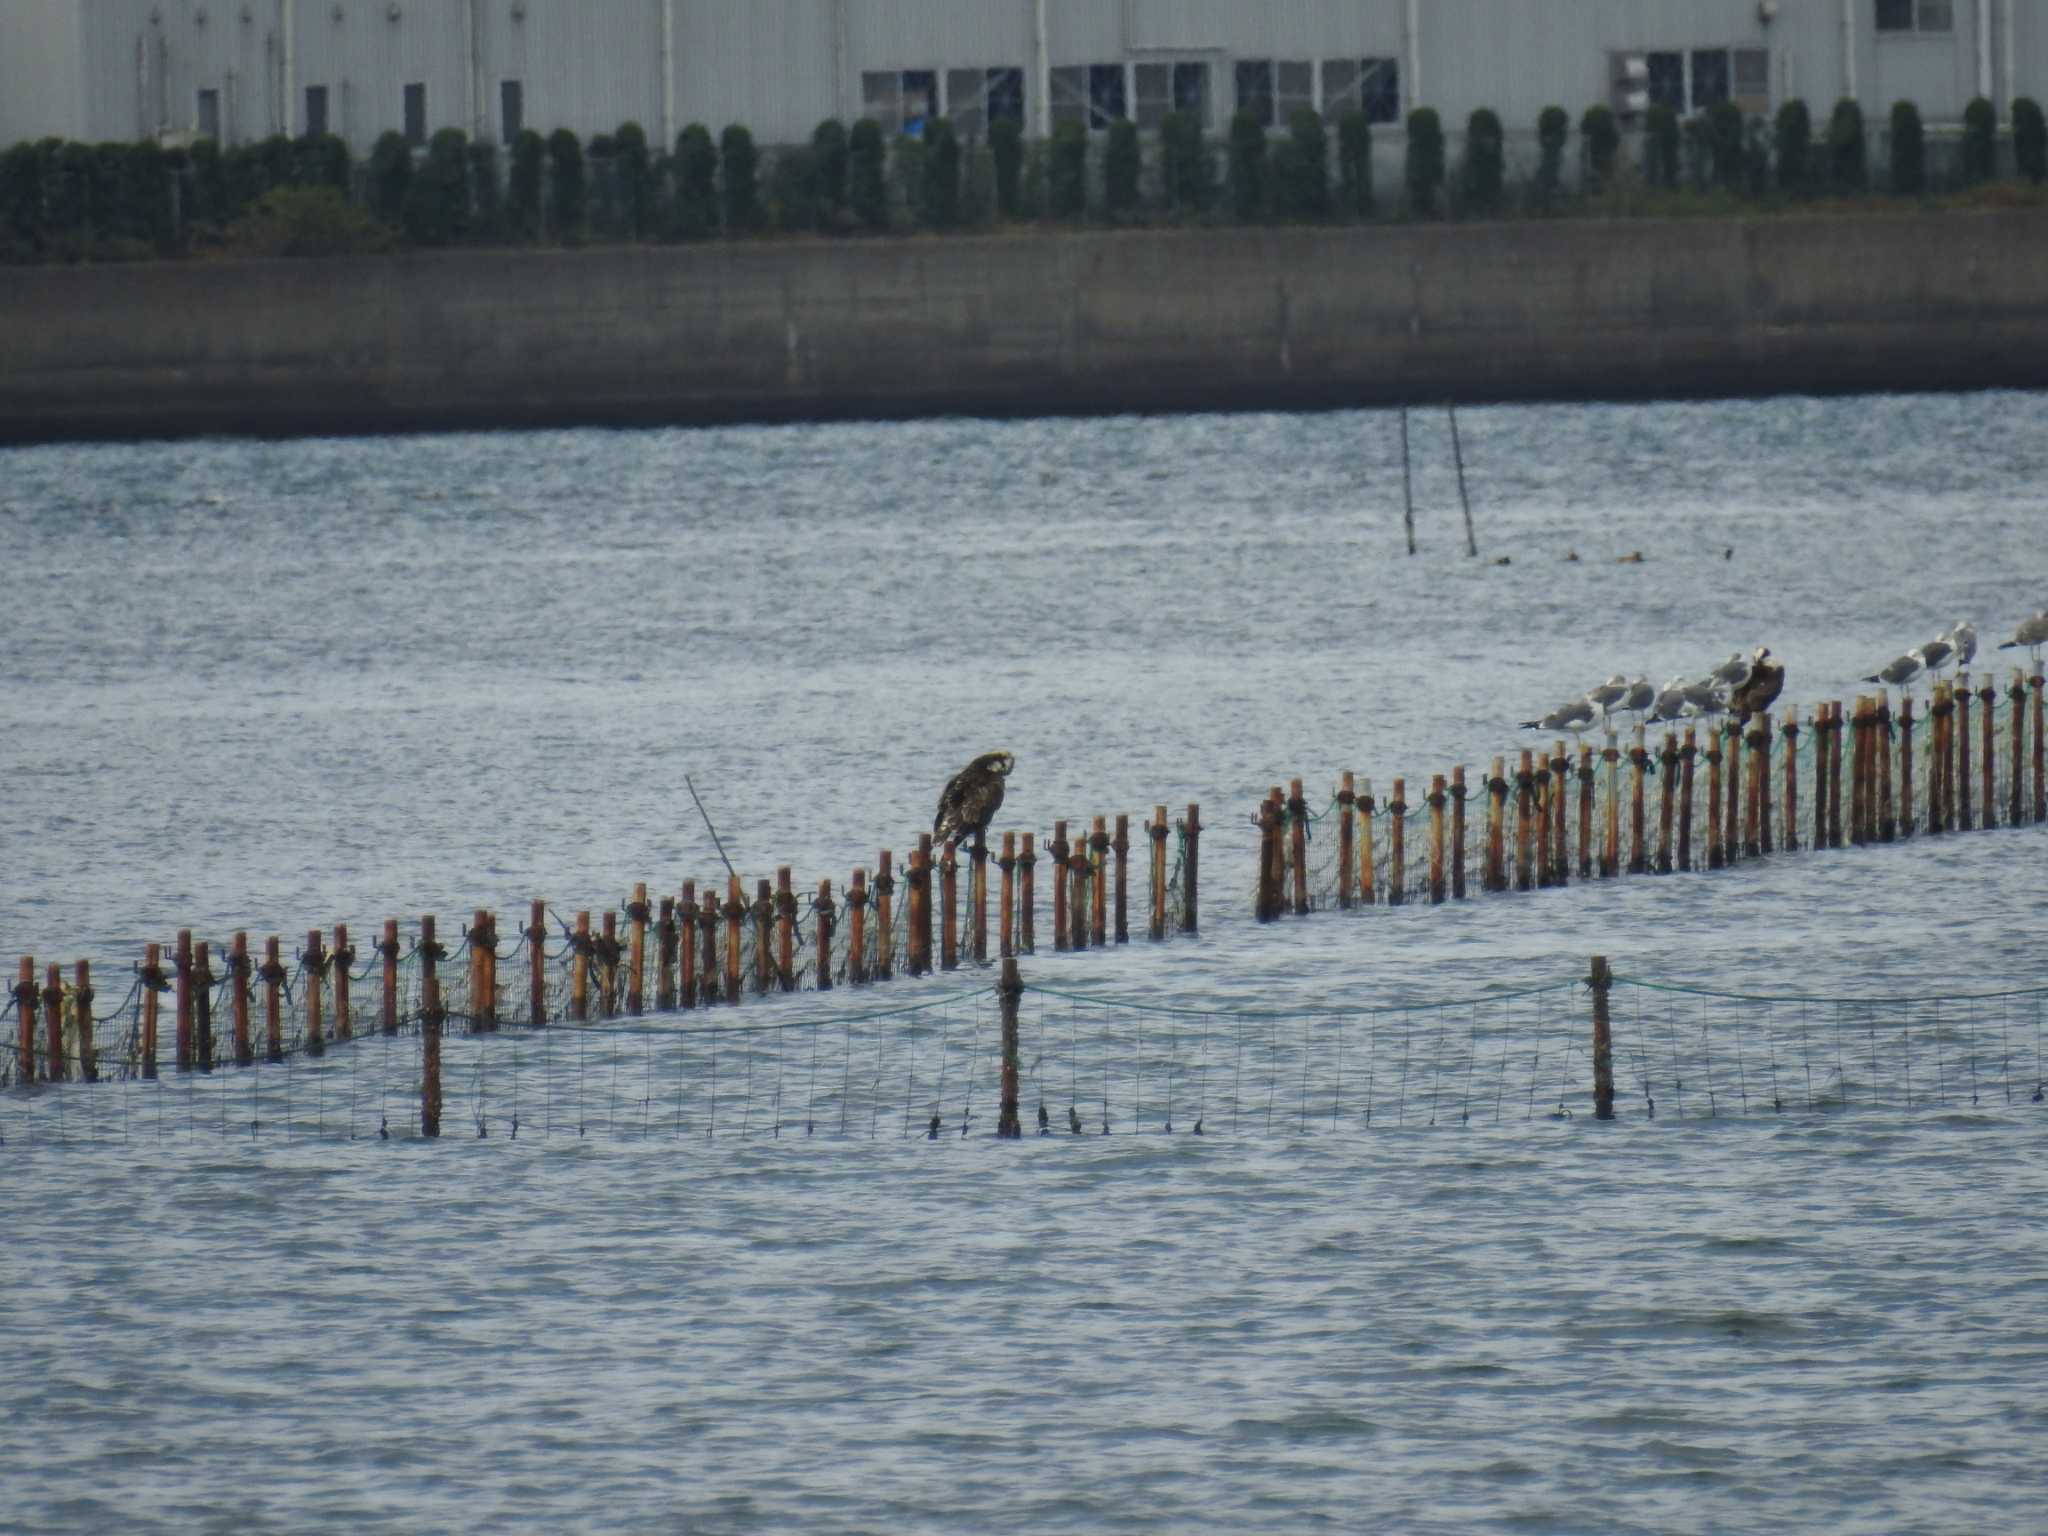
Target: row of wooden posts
{"type": "Point", "coordinates": [1738, 818]}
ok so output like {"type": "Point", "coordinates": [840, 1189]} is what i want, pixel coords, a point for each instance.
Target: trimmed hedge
{"type": "Point", "coordinates": [1909, 150]}
{"type": "Point", "coordinates": [1424, 172]}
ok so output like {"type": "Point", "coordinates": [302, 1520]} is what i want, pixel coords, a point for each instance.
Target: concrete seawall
{"type": "Point", "coordinates": [1028, 323]}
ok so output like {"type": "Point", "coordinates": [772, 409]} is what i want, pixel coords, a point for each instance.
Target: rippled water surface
{"type": "Point", "coordinates": [272, 686]}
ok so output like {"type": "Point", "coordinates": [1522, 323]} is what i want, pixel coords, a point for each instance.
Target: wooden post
{"type": "Point", "coordinates": [1347, 801]}
{"type": "Point", "coordinates": [579, 968]}
{"type": "Point", "coordinates": [1078, 870]}
{"type": "Point", "coordinates": [857, 930]}
{"type": "Point", "coordinates": [1714, 858]}
{"type": "Point", "coordinates": [785, 929]}
{"type": "Point", "coordinates": [1272, 875]}
{"type": "Point", "coordinates": [636, 951]}
{"type": "Point", "coordinates": [769, 964]}
{"type": "Point", "coordinates": [1496, 827]}
{"type": "Point", "coordinates": [1098, 884]}
{"type": "Point", "coordinates": [81, 1022]}
{"type": "Point", "coordinates": [1397, 856]}
{"type": "Point", "coordinates": [483, 976]}
{"type": "Point", "coordinates": [1368, 865]}
{"type": "Point", "coordinates": [537, 958]}
{"type": "Point", "coordinates": [27, 997]}
{"type": "Point", "coordinates": [1819, 726]}
{"type": "Point", "coordinates": [1946, 732]}
{"type": "Point", "coordinates": [707, 961]}
{"type": "Point", "coordinates": [1731, 839]}
{"type": "Point", "coordinates": [1881, 753]}
{"type": "Point", "coordinates": [1027, 895]}
{"type": "Point", "coordinates": [430, 1027]}
{"type": "Point", "coordinates": [1906, 821]}
{"type": "Point", "coordinates": [154, 985]}
{"type": "Point", "coordinates": [1687, 756]}
{"type": "Point", "coordinates": [1760, 774]}
{"type": "Point", "coordinates": [665, 956]}
{"type": "Point", "coordinates": [1988, 697]}
{"type": "Point", "coordinates": [1458, 833]}
{"type": "Point", "coordinates": [1752, 808]}
{"type": "Point", "coordinates": [686, 956]}
{"type": "Point", "coordinates": [824, 917]}
{"type": "Point", "coordinates": [238, 968]}
{"type": "Point", "coordinates": [2040, 783]}
{"type": "Point", "coordinates": [1120, 845]}
{"type": "Point", "coordinates": [1158, 833]}
{"type": "Point", "coordinates": [183, 963]}
{"type": "Point", "coordinates": [1297, 844]}
{"type": "Point", "coordinates": [1525, 814]}
{"type": "Point", "coordinates": [1666, 800]}
{"type": "Point", "coordinates": [473, 945]}
{"type": "Point", "coordinates": [1191, 862]}
{"type": "Point", "coordinates": [1585, 812]}
{"type": "Point", "coordinates": [344, 956]}
{"type": "Point", "coordinates": [316, 974]}
{"type": "Point", "coordinates": [1835, 725]}
{"type": "Point", "coordinates": [55, 1068]}
{"type": "Point", "coordinates": [1007, 902]}
{"type": "Point", "coordinates": [202, 1002]}
{"type": "Point", "coordinates": [1859, 771]}
{"type": "Point", "coordinates": [1560, 796]}
{"type": "Point", "coordinates": [1964, 817]}
{"type": "Point", "coordinates": [949, 907]}
{"type": "Point", "coordinates": [2016, 712]}
{"type": "Point", "coordinates": [490, 959]}
{"type": "Point", "coordinates": [387, 951]}
{"type": "Point", "coordinates": [1789, 838]}
{"type": "Point", "coordinates": [1436, 840]}
{"type": "Point", "coordinates": [608, 953]}
{"type": "Point", "coordinates": [884, 965]}
{"type": "Point", "coordinates": [1610, 844]}
{"type": "Point", "coordinates": [273, 1010]}
{"type": "Point", "coordinates": [1058, 849]}
{"type": "Point", "coordinates": [1601, 981]}
{"type": "Point", "coordinates": [1541, 802]}
{"type": "Point", "coordinates": [977, 899]}
{"type": "Point", "coordinates": [1009, 1123]}
{"type": "Point", "coordinates": [920, 951]}
{"type": "Point", "coordinates": [1638, 843]}
{"type": "Point", "coordinates": [735, 943]}
{"type": "Point", "coordinates": [1934, 719]}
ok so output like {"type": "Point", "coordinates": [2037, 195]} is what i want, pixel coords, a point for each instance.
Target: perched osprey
{"type": "Point", "coordinates": [1756, 692]}
{"type": "Point", "coordinates": [971, 799]}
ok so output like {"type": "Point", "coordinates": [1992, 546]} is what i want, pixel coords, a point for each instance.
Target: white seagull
{"type": "Point", "coordinates": [1899, 672]}
{"type": "Point", "coordinates": [2032, 634]}
{"type": "Point", "coordinates": [1964, 638]}
{"type": "Point", "coordinates": [1608, 696]}
{"type": "Point", "coordinates": [1731, 671]}
{"type": "Point", "coordinates": [1574, 717]}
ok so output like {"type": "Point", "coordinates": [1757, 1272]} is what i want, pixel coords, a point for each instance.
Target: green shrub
{"type": "Point", "coordinates": [600, 161]}
{"type": "Point", "coordinates": [1727, 144]}
{"type": "Point", "coordinates": [209, 183]}
{"type": "Point", "coordinates": [828, 170]}
{"type": "Point", "coordinates": [569, 191]}
{"type": "Point", "coordinates": [1006, 145]}
{"type": "Point", "coordinates": [1660, 147]}
{"type": "Point", "coordinates": [2030, 139]}
{"type": "Point", "coordinates": [523, 184]}
{"type": "Point", "coordinates": [635, 179]}
{"type": "Point", "coordinates": [1120, 168]}
{"type": "Point", "coordinates": [486, 200]}
{"type": "Point", "coordinates": [738, 162]}
{"type": "Point", "coordinates": [1305, 182]}
{"type": "Point", "coordinates": [1184, 163]}
{"type": "Point", "coordinates": [322, 161]}
{"type": "Point", "coordinates": [696, 179]}
{"type": "Point", "coordinates": [867, 185]}
{"type": "Point", "coordinates": [792, 189]}
{"type": "Point", "coordinates": [1847, 169]}
{"type": "Point", "coordinates": [1247, 172]}
{"type": "Point", "coordinates": [1424, 172]}
{"type": "Point", "coordinates": [1909, 150]}
{"type": "Point", "coordinates": [1601, 136]}
{"type": "Point", "coordinates": [1980, 141]}
{"type": "Point", "coordinates": [939, 198]}
{"type": "Point", "coordinates": [1793, 136]}
{"type": "Point", "coordinates": [21, 199]}
{"type": "Point", "coordinates": [437, 202]}
{"type": "Point", "coordinates": [307, 221]}
{"type": "Point", "coordinates": [1485, 160]}
{"type": "Point", "coordinates": [1354, 164]}
{"type": "Point", "coordinates": [1066, 175]}
{"type": "Point", "coordinates": [1553, 127]}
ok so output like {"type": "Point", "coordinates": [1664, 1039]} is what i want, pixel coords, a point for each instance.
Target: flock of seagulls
{"type": "Point", "coordinates": [1746, 685]}
{"type": "Point", "coordinates": [1740, 685]}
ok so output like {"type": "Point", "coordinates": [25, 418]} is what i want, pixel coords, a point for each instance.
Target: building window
{"type": "Point", "coordinates": [1709, 78]}
{"type": "Point", "coordinates": [1697, 79]}
{"type": "Point", "coordinates": [1164, 88]}
{"type": "Point", "coordinates": [1271, 93]}
{"type": "Point", "coordinates": [1255, 90]}
{"type": "Point", "coordinates": [977, 97]}
{"type": "Point", "coordinates": [209, 115]}
{"type": "Point", "coordinates": [1089, 94]}
{"type": "Point", "coordinates": [511, 110]}
{"type": "Point", "coordinates": [1752, 79]}
{"type": "Point", "coordinates": [1667, 80]}
{"type": "Point", "coordinates": [316, 111]}
{"type": "Point", "coordinates": [901, 100]}
{"type": "Point", "coordinates": [1916, 15]}
{"type": "Point", "coordinates": [416, 114]}
{"type": "Point", "coordinates": [1371, 86]}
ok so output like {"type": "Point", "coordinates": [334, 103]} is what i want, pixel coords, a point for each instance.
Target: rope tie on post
{"type": "Point", "coordinates": [637, 912]}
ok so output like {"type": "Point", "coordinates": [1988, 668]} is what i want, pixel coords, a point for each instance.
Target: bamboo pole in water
{"type": "Point", "coordinates": [489, 1000]}
{"type": "Point", "coordinates": [1881, 755]}
{"type": "Point", "coordinates": [686, 956]}
{"type": "Point", "coordinates": [1906, 826]}
{"type": "Point", "coordinates": [202, 1001]}
{"type": "Point", "coordinates": [1687, 754]}
{"type": "Point", "coordinates": [1525, 813]}
{"type": "Point", "coordinates": [316, 973]}
{"type": "Point", "coordinates": [1368, 874]}
{"type": "Point", "coordinates": [1760, 772]}
{"type": "Point", "coordinates": [1158, 832]}
{"type": "Point", "coordinates": [1638, 844]}
{"type": "Point", "coordinates": [977, 898]}
{"type": "Point", "coordinates": [81, 1022]}
{"type": "Point", "coordinates": [344, 957]}
{"type": "Point", "coordinates": [1667, 795]}
{"type": "Point", "coordinates": [1988, 697]}
{"type": "Point", "coordinates": [1585, 812]}
{"type": "Point", "coordinates": [239, 968]}
{"type": "Point", "coordinates": [1436, 840]}
{"type": "Point", "coordinates": [857, 926]}
{"type": "Point", "coordinates": [1610, 843]}
{"type": "Point", "coordinates": [1789, 841]}
{"type": "Point", "coordinates": [1190, 867]}
{"type": "Point", "coordinates": [1965, 816]}
{"type": "Point", "coordinates": [1818, 725]}
{"type": "Point", "coordinates": [1397, 856]}
{"type": "Point", "coordinates": [580, 948]}
{"type": "Point", "coordinates": [1027, 902]}
{"type": "Point", "coordinates": [1835, 725]}
{"type": "Point", "coordinates": [154, 985]}
{"type": "Point", "coordinates": [610, 953]}
{"type": "Point", "coordinates": [1010, 991]}
{"type": "Point", "coordinates": [27, 996]}
{"type": "Point", "coordinates": [430, 1030]}
{"type": "Point", "coordinates": [1272, 855]}
{"type": "Point", "coordinates": [1603, 1041]}
{"type": "Point", "coordinates": [637, 915]}
{"type": "Point", "coordinates": [824, 916]}
{"type": "Point", "coordinates": [273, 1013]}
{"type": "Point", "coordinates": [1458, 793]}
{"type": "Point", "coordinates": [767, 969]}
{"type": "Point", "coordinates": [707, 939]}
{"type": "Point", "coordinates": [183, 976]}
{"type": "Point", "coordinates": [537, 961]}
{"type": "Point", "coordinates": [2016, 712]}
{"type": "Point", "coordinates": [1347, 799]}
{"type": "Point", "coordinates": [885, 912]}
{"type": "Point", "coordinates": [1078, 870]}
{"type": "Point", "coordinates": [1006, 915]}
{"type": "Point", "coordinates": [949, 906]}
{"type": "Point", "coordinates": [665, 955]}
{"type": "Point", "coordinates": [735, 915]}
{"type": "Point", "coordinates": [1496, 875]}
{"type": "Point", "coordinates": [1859, 771]}
{"type": "Point", "coordinates": [1098, 883]}
{"type": "Point", "coordinates": [917, 891]}
{"type": "Point", "coordinates": [53, 1025]}
{"type": "Point", "coordinates": [2040, 782]}
{"type": "Point", "coordinates": [1058, 849]}
{"type": "Point", "coordinates": [1297, 839]}
{"type": "Point", "coordinates": [1713, 750]}
{"type": "Point", "coordinates": [1560, 782]}
{"type": "Point", "coordinates": [1120, 845]}
{"type": "Point", "coordinates": [1543, 798]}
{"type": "Point", "coordinates": [784, 914]}
{"type": "Point", "coordinates": [1731, 769]}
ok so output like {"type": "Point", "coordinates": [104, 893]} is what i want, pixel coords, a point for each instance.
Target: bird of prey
{"type": "Point", "coordinates": [1899, 672]}
{"type": "Point", "coordinates": [2032, 634]}
{"type": "Point", "coordinates": [1756, 692]}
{"type": "Point", "coordinates": [971, 799]}
{"type": "Point", "coordinates": [1964, 638]}
{"type": "Point", "coordinates": [1073, 1120]}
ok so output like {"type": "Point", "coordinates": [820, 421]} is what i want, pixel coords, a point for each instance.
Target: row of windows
{"type": "Point", "coordinates": [1692, 80]}
{"type": "Point", "coordinates": [1916, 15]}
{"type": "Point", "coordinates": [1270, 91]}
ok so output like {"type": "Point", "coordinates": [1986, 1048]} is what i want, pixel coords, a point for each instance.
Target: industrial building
{"type": "Point", "coordinates": [239, 70]}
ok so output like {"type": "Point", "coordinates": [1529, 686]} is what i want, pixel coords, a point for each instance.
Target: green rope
{"type": "Point", "coordinates": [1097, 1001]}
{"type": "Point", "coordinates": [1854, 1002]}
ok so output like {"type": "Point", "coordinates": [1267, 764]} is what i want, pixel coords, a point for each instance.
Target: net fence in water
{"type": "Point", "coordinates": [1095, 1065]}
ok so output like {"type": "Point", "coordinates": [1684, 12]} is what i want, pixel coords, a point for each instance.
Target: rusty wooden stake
{"type": "Point", "coordinates": [1437, 796]}
{"type": "Point", "coordinates": [785, 929]}
{"type": "Point", "coordinates": [1397, 840]}
{"type": "Point", "coordinates": [1098, 883]}
{"type": "Point", "coordinates": [884, 965]}
{"type": "Point", "coordinates": [1752, 809]}
{"type": "Point", "coordinates": [1638, 840]}
{"type": "Point", "coordinates": [1560, 800]}
{"type": "Point", "coordinates": [686, 958]}
{"type": "Point", "coordinates": [1835, 727]}
{"type": "Point", "coordinates": [239, 969]}
{"type": "Point", "coordinates": [1965, 817]}
{"type": "Point", "coordinates": [387, 954]}
{"type": "Point", "coordinates": [1688, 754]}
{"type": "Point", "coordinates": [1731, 769]}
{"type": "Point", "coordinates": [1347, 801]}
{"type": "Point", "coordinates": [1667, 797]}
{"type": "Point", "coordinates": [1458, 793]}
{"type": "Point", "coordinates": [183, 963]}
{"type": "Point", "coordinates": [344, 957]}
{"type": "Point", "coordinates": [1601, 981]}
{"type": "Point", "coordinates": [949, 907]}
{"type": "Point", "coordinates": [55, 1069]}
{"type": "Point", "coordinates": [1007, 902]}
{"type": "Point", "coordinates": [1159, 833]}
{"type": "Point", "coordinates": [1789, 830]}
{"type": "Point", "coordinates": [81, 1022]}
{"type": "Point", "coordinates": [1078, 870]}
{"type": "Point", "coordinates": [857, 928]}
{"type": "Point", "coordinates": [1525, 813]}
{"type": "Point", "coordinates": [2040, 781]}
{"type": "Point", "coordinates": [1027, 895]}
{"type": "Point", "coordinates": [707, 944]}
{"type": "Point", "coordinates": [665, 955]}
{"type": "Point", "coordinates": [1009, 1123]}
{"type": "Point", "coordinates": [1271, 855]}
{"type": "Point", "coordinates": [153, 987]}
{"type": "Point", "coordinates": [273, 1009]}
{"type": "Point", "coordinates": [769, 966]}
{"type": "Point", "coordinates": [579, 968]}
{"type": "Point", "coordinates": [1881, 758]}
{"type": "Point", "coordinates": [735, 940]}
{"type": "Point", "coordinates": [609, 951]}
{"type": "Point", "coordinates": [1297, 844]}
{"type": "Point", "coordinates": [1610, 842]}
{"type": "Point", "coordinates": [920, 949]}
{"type": "Point", "coordinates": [1368, 870]}
{"type": "Point", "coordinates": [636, 950]}
{"type": "Point", "coordinates": [430, 1030]}
{"type": "Point", "coordinates": [1821, 731]}
{"type": "Point", "coordinates": [1859, 771]}
{"type": "Point", "coordinates": [537, 959]}
{"type": "Point", "coordinates": [1495, 877]}
{"type": "Point", "coordinates": [202, 1003]}
{"type": "Point", "coordinates": [1057, 848]}
{"type": "Point", "coordinates": [1191, 859]}
{"type": "Point", "coordinates": [1541, 801]}
{"type": "Point", "coordinates": [1585, 812]}
{"type": "Point", "coordinates": [823, 917]}
{"type": "Point", "coordinates": [26, 998]}
{"type": "Point", "coordinates": [2016, 712]}
{"type": "Point", "coordinates": [315, 962]}
{"type": "Point", "coordinates": [977, 899]}
{"type": "Point", "coordinates": [1988, 697]}
{"type": "Point", "coordinates": [1713, 749]}
{"type": "Point", "coordinates": [1120, 845]}
{"type": "Point", "coordinates": [1906, 822]}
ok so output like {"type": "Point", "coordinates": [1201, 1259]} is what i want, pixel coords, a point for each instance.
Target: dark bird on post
{"type": "Point", "coordinates": [971, 799]}
{"type": "Point", "coordinates": [1758, 691]}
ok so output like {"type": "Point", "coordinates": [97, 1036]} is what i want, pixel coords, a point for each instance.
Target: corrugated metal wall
{"type": "Point", "coordinates": [112, 68]}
